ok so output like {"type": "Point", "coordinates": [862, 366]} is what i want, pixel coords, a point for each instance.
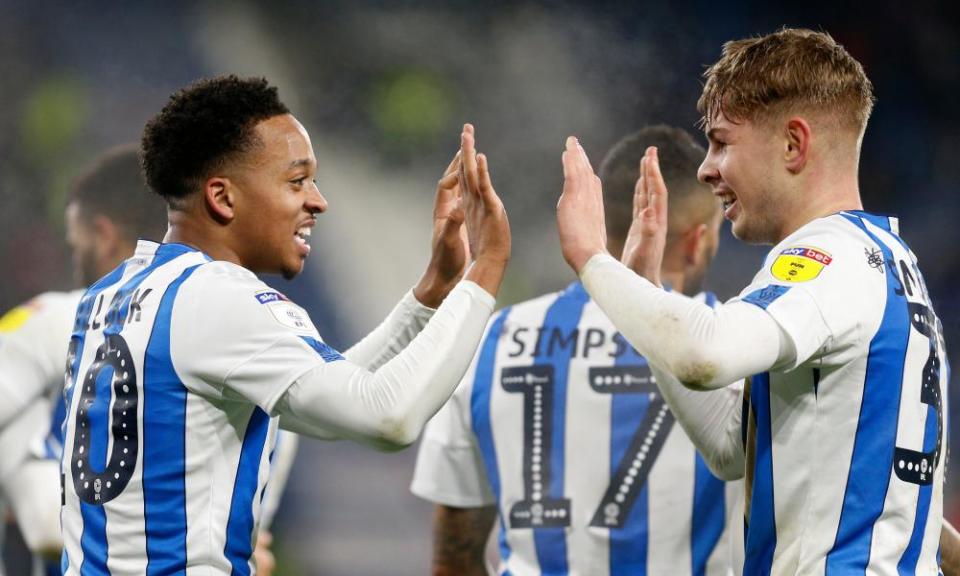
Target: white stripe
{"type": "Point", "coordinates": [671, 488]}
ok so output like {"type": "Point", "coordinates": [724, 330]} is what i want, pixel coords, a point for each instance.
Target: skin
{"type": "Point", "coordinates": [250, 212]}
{"type": "Point", "coordinates": [779, 174]}
{"type": "Point", "coordinates": [460, 539]}
{"type": "Point", "coordinates": [97, 244]}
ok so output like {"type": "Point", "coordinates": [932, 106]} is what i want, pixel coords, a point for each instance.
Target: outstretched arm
{"type": "Point", "coordinates": [388, 408]}
{"type": "Point", "coordinates": [703, 347]}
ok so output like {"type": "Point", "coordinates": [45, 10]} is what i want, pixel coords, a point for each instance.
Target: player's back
{"type": "Point", "coordinates": [590, 472]}
{"type": "Point", "coordinates": [845, 452]}
{"type": "Point", "coordinates": [158, 479]}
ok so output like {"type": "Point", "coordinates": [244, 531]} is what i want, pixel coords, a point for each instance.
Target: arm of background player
{"type": "Point", "coordinates": [703, 347]}
{"type": "Point", "coordinates": [32, 485]}
{"type": "Point", "coordinates": [460, 539]}
{"type": "Point", "coordinates": [949, 550]}
{"type": "Point", "coordinates": [712, 421]}
{"type": "Point", "coordinates": [283, 457]}
{"type": "Point", "coordinates": [33, 347]}
{"type": "Point", "coordinates": [389, 407]}
{"type": "Point", "coordinates": [400, 327]}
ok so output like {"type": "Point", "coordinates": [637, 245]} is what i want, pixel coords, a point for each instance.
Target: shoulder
{"type": "Point", "coordinates": [827, 250]}
{"type": "Point", "coordinates": [45, 308]}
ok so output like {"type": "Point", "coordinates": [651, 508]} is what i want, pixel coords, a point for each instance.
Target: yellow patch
{"type": "Point", "coordinates": [800, 264]}
{"type": "Point", "coordinates": [15, 318]}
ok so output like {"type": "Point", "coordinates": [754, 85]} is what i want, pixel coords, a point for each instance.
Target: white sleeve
{"type": "Point", "coordinates": [711, 418]}
{"type": "Point", "coordinates": [283, 456]}
{"type": "Point", "coordinates": [388, 408]}
{"type": "Point", "coordinates": [703, 347]}
{"type": "Point", "coordinates": [33, 491]}
{"type": "Point", "coordinates": [31, 485]}
{"type": "Point", "coordinates": [450, 467]}
{"type": "Point", "coordinates": [33, 349]}
{"type": "Point", "coordinates": [400, 327]}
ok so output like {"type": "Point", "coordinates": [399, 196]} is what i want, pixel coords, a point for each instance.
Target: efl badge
{"type": "Point", "coordinates": [800, 264]}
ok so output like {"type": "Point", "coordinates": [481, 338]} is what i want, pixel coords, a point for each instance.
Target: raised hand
{"type": "Point", "coordinates": [449, 250]}
{"type": "Point", "coordinates": [488, 230]}
{"type": "Point", "coordinates": [580, 221]}
{"type": "Point", "coordinates": [647, 237]}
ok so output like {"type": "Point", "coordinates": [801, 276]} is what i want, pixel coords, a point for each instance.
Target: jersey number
{"type": "Point", "coordinates": [536, 383]}
{"type": "Point", "coordinates": [113, 360]}
{"type": "Point", "coordinates": [916, 467]}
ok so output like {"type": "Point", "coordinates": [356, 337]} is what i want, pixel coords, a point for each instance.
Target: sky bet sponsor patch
{"type": "Point", "coordinates": [268, 296]}
{"type": "Point", "coordinates": [800, 264]}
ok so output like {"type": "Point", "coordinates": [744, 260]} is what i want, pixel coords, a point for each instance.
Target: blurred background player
{"type": "Point", "coordinates": [559, 428]}
{"type": "Point", "coordinates": [843, 419]}
{"type": "Point", "coordinates": [204, 360]}
{"type": "Point", "coordinates": [109, 207]}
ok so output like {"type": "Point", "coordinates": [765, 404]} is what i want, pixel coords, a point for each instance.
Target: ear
{"type": "Point", "coordinates": [218, 196]}
{"type": "Point", "coordinates": [693, 240]}
{"type": "Point", "coordinates": [798, 140]}
{"type": "Point", "coordinates": [106, 236]}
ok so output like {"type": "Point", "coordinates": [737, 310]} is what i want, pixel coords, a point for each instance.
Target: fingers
{"type": "Point", "coordinates": [454, 165]}
{"type": "Point", "coordinates": [468, 160]}
{"type": "Point", "coordinates": [487, 192]}
{"type": "Point", "coordinates": [656, 187]}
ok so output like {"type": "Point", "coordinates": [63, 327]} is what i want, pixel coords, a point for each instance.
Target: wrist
{"type": "Point", "coordinates": [431, 290]}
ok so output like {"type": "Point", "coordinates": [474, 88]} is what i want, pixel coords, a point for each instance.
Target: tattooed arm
{"type": "Point", "coordinates": [460, 538]}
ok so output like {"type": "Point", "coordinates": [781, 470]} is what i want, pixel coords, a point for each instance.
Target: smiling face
{"type": "Point", "coordinates": [741, 166]}
{"type": "Point", "coordinates": [275, 198]}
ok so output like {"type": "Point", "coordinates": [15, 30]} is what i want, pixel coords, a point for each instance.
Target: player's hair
{"type": "Point", "coordinates": [203, 126]}
{"type": "Point", "coordinates": [690, 201]}
{"type": "Point", "coordinates": [791, 69]}
{"type": "Point", "coordinates": [113, 187]}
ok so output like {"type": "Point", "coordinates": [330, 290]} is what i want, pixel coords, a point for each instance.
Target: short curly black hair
{"type": "Point", "coordinates": [201, 127]}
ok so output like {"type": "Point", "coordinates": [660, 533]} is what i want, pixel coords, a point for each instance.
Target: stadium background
{"type": "Point", "coordinates": [383, 88]}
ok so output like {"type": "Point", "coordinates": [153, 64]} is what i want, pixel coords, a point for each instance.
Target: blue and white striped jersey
{"type": "Point", "coordinates": [175, 364]}
{"type": "Point", "coordinates": [846, 447]}
{"type": "Point", "coordinates": [559, 423]}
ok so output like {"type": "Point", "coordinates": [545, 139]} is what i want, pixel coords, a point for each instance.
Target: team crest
{"type": "Point", "coordinates": [800, 264]}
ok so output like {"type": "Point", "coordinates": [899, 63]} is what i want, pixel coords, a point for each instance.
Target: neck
{"type": "Point", "coordinates": [835, 192]}
{"type": "Point", "coordinates": [675, 278]}
{"type": "Point", "coordinates": [185, 229]}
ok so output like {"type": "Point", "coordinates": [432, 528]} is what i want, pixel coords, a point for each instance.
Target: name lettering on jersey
{"type": "Point", "coordinates": [123, 308]}
{"type": "Point", "coordinates": [800, 264]}
{"type": "Point", "coordinates": [579, 342]}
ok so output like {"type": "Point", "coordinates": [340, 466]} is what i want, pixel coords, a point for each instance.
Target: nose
{"type": "Point", "coordinates": [316, 203]}
{"type": "Point", "coordinates": [707, 172]}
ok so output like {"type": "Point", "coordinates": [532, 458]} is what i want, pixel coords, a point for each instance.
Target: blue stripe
{"type": "Point", "coordinates": [240, 526]}
{"type": "Point", "coordinates": [872, 461]}
{"type": "Point", "coordinates": [629, 544]}
{"type": "Point", "coordinates": [709, 512]}
{"type": "Point", "coordinates": [480, 416]}
{"type": "Point", "coordinates": [564, 316]}
{"type": "Point", "coordinates": [164, 445]}
{"type": "Point", "coordinates": [766, 296]}
{"type": "Point", "coordinates": [326, 352]}
{"type": "Point", "coordinates": [88, 540]}
{"type": "Point", "coordinates": [762, 525]}
{"type": "Point", "coordinates": [710, 299]}
{"type": "Point", "coordinates": [911, 556]}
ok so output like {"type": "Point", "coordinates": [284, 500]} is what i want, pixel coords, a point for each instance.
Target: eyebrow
{"type": "Point", "coordinates": [299, 163]}
{"type": "Point", "coordinates": [714, 133]}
